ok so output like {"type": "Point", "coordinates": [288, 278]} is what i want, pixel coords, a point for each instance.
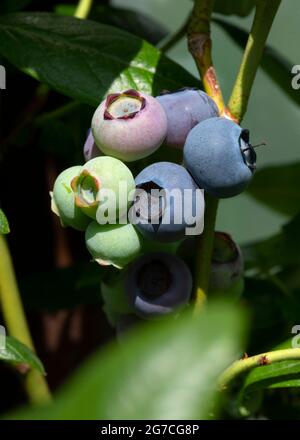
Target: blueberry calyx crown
{"type": "Point", "coordinates": [123, 105]}
{"type": "Point", "coordinates": [247, 150]}
{"type": "Point", "coordinates": [86, 188]}
{"type": "Point", "coordinates": [154, 279]}
{"type": "Point", "coordinates": [152, 207]}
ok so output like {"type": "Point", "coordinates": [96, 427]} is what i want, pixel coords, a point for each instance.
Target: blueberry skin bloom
{"type": "Point", "coordinates": [185, 109]}
{"type": "Point", "coordinates": [172, 212]}
{"type": "Point", "coordinates": [90, 149]}
{"type": "Point", "coordinates": [219, 156]}
{"type": "Point", "coordinates": [129, 125]}
{"type": "Point", "coordinates": [158, 284]}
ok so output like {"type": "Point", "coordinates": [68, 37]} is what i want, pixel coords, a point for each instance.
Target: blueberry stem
{"type": "Point", "coordinates": [264, 16]}
{"type": "Point", "coordinates": [244, 365]}
{"type": "Point", "coordinates": [204, 251]}
{"type": "Point", "coordinates": [199, 44]}
{"type": "Point", "coordinates": [15, 320]}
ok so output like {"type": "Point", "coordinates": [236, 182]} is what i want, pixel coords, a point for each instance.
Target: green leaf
{"type": "Point", "coordinates": [165, 370]}
{"type": "Point", "coordinates": [273, 63]}
{"type": "Point", "coordinates": [63, 288]}
{"type": "Point", "coordinates": [16, 353]}
{"type": "Point", "coordinates": [86, 60]}
{"type": "Point", "coordinates": [134, 22]}
{"type": "Point", "coordinates": [4, 226]}
{"type": "Point", "coordinates": [279, 250]}
{"type": "Point", "coordinates": [230, 7]}
{"type": "Point", "coordinates": [283, 374]}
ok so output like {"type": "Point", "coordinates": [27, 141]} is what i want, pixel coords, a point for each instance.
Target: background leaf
{"type": "Point", "coordinates": [273, 63]}
{"type": "Point", "coordinates": [134, 22]}
{"type": "Point", "coordinates": [278, 188]}
{"type": "Point", "coordinates": [280, 250]}
{"type": "Point", "coordinates": [17, 353]}
{"type": "Point", "coordinates": [165, 370]}
{"type": "Point", "coordinates": [230, 7]}
{"type": "Point", "coordinates": [4, 226]}
{"type": "Point", "coordinates": [84, 59]}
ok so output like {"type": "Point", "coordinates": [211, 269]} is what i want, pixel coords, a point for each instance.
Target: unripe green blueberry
{"type": "Point", "coordinates": [129, 125]}
{"type": "Point", "coordinates": [63, 201]}
{"type": "Point", "coordinates": [98, 176]}
{"type": "Point", "coordinates": [114, 298]}
{"type": "Point", "coordinates": [113, 244]}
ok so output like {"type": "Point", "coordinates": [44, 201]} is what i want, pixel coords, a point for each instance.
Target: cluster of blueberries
{"type": "Point", "coordinates": [156, 258]}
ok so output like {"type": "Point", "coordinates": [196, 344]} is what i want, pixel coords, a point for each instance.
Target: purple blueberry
{"type": "Point", "coordinates": [129, 125]}
{"type": "Point", "coordinates": [167, 202]}
{"type": "Point", "coordinates": [219, 156]}
{"type": "Point", "coordinates": [90, 149]}
{"type": "Point", "coordinates": [158, 284]}
{"type": "Point", "coordinates": [185, 109]}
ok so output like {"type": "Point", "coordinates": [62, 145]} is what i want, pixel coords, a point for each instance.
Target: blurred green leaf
{"type": "Point", "coordinates": [17, 353]}
{"type": "Point", "coordinates": [230, 7]}
{"type": "Point", "coordinates": [279, 250]}
{"type": "Point", "coordinates": [4, 226]}
{"type": "Point", "coordinates": [278, 187]}
{"type": "Point", "coordinates": [273, 63]}
{"type": "Point", "coordinates": [63, 288]}
{"type": "Point", "coordinates": [166, 370]}
{"type": "Point", "coordinates": [134, 22]}
{"type": "Point", "coordinates": [85, 60]}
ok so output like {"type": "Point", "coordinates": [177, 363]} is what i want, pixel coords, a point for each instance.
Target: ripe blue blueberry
{"type": "Point", "coordinates": [129, 125]}
{"type": "Point", "coordinates": [90, 149]}
{"type": "Point", "coordinates": [219, 156]}
{"type": "Point", "coordinates": [158, 284]}
{"type": "Point", "coordinates": [185, 109]}
{"type": "Point", "coordinates": [167, 202]}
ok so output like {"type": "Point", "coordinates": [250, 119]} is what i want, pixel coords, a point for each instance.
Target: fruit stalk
{"type": "Point", "coordinates": [14, 317]}
{"type": "Point", "coordinates": [199, 44]}
{"type": "Point", "coordinates": [264, 16]}
{"type": "Point", "coordinates": [204, 252]}
{"type": "Point", "coordinates": [244, 365]}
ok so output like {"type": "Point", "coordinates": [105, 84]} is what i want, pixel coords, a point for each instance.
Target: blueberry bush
{"type": "Point", "coordinates": [133, 317]}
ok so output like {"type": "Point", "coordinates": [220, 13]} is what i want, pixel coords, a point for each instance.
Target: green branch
{"type": "Point", "coordinates": [15, 320]}
{"type": "Point", "coordinates": [264, 16]}
{"type": "Point", "coordinates": [244, 365]}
